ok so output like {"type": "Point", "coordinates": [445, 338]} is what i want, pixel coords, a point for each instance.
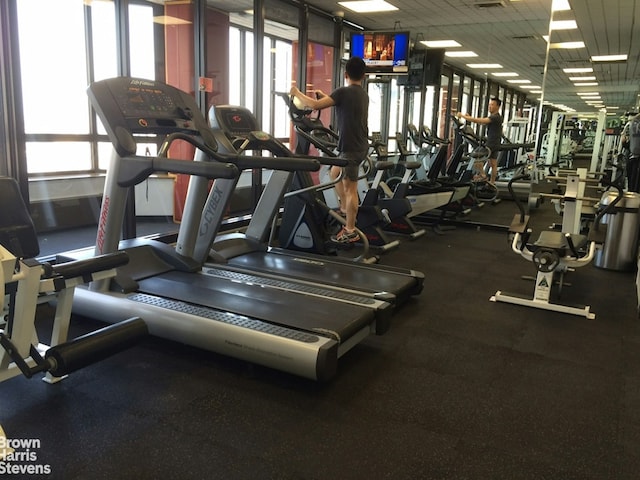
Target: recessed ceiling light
{"type": "Point", "coordinates": [585, 84]}
{"type": "Point", "coordinates": [505, 74]}
{"type": "Point", "coordinates": [609, 58]}
{"type": "Point", "coordinates": [440, 43]}
{"type": "Point", "coordinates": [560, 5]}
{"type": "Point", "coordinates": [578, 70]}
{"type": "Point", "coordinates": [518, 81]}
{"type": "Point", "coordinates": [567, 45]}
{"type": "Point", "coordinates": [368, 6]}
{"type": "Point", "coordinates": [582, 94]}
{"type": "Point", "coordinates": [460, 54]}
{"type": "Point", "coordinates": [531, 87]}
{"type": "Point", "coordinates": [484, 65]}
{"type": "Point", "coordinates": [581, 79]}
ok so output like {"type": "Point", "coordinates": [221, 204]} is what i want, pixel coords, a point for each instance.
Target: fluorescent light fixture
{"type": "Point", "coordinates": [460, 54]}
{"type": "Point", "coordinates": [354, 25]}
{"type": "Point", "coordinates": [560, 5]}
{"type": "Point", "coordinates": [505, 74]}
{"type": "Point", "coordinates": [532, 87]}
{"type": "Point", "coordinates": [586, 94]}
{"type": "Point", "coordinates": [563, 25]}
{"type": "Point", "coordinates": [567, 45]}
{"type": "Point", "coordinates": [578, 70]}
{"type": "Point", "coordinates": [518, 81]}
{"type": "Point", "coordinates": [586, 84]}
{"type": "Point", "coordinates": [440, 43]}
{"type": "Point", "coordinates": [609, 58]}
{"type": "Point", "coordinates": [484, 65]}
{"type": "Point", "coordinates": [368, 6]}
{"type": "Point", "coordinates": [581, 79]}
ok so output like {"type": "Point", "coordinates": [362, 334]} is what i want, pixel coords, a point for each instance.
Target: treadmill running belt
{"type": "Point", "coordinates": [329, 273]}
{"type": "Point", "coordinates": [338, 320]}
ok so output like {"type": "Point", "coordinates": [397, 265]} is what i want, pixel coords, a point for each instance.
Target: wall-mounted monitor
{"type": "Point", "coordinates": [384, 52]}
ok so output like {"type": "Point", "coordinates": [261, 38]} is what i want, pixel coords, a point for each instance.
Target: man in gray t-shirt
{"type": "Point", "coordinates": [494, 132]}
{"type": "Point", "coordinates": [352, 113]}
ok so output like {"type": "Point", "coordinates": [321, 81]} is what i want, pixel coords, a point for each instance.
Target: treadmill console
{"type": "Point", "coordinates": [232, 120]}
{"type": "Point", "coordinates": [133, 106]}
{"type": "Point", "coordinates": [241, 127]}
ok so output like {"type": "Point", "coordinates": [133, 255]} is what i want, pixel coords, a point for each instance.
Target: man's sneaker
{"type": "Point", "coordinates": [345, 237]}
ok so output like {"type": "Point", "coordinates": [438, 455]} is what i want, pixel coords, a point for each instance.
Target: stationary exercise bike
{"type": "Point", "coordinates": [394, 201]}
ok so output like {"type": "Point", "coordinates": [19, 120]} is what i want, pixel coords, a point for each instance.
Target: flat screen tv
{"type": "Point", "coordinates": [384, 52]}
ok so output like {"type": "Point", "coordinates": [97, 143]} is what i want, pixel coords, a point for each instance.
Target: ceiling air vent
{"type": "Point", "coordinates": [524, 37]}
{"type": "Point", "coordinates": [489, 4]}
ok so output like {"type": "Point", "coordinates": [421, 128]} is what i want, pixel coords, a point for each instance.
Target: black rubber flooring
{"type": "Point", "coordinates": [459, 388]}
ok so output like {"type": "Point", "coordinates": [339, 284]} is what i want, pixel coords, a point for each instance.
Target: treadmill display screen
{"type": "Point", "coordinates": [238, 123]}
{"type": "Point", "coordinates": [141, 101]}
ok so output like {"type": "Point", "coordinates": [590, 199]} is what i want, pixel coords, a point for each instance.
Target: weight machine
{"type": "Point", "coordinates": [27, 283]}
{"type": "Point", "coordinates": [554, 253]}
{"type": "Point", "coordinates": [559, 144]}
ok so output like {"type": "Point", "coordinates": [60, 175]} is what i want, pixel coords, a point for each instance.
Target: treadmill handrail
{"type": "Point", "coordinates": [136, 169]}
{"type": "Point", "coordinates": [293, 164]}
{"type": "Point", "coordinates": [244, 162]}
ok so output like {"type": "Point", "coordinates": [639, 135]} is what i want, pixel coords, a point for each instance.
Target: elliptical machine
{"type": "Point", "coordinates": [298, 215]}
{"type": "Point", "coordinates": [481, 189]}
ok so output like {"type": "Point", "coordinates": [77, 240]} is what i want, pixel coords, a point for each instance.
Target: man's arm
{"type": "Point", "coordinates": [469, 118]}
{"type": "Point", "coordinates": [315, 103]}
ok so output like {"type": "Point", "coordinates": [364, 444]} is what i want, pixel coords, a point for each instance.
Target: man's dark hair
{"type": "Point", "coordinates": [497, 100]}
{"type": "Point", "coordinates": [355, 68]}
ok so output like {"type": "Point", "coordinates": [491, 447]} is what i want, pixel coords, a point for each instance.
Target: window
{"type": "Point", "coordinates": [241, 67]}
{"type": "Point", "coordinates": [58, 128]}
{"type": "Point", "coordinates": [142, 41]}
{"type": "Point", "coordinates": [54, 98]}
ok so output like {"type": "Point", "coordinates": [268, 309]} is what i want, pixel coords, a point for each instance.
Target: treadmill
{"type": "Point", "coordinates": [290, 330]}
{"type": "Point", "coordinates": [250, 251]}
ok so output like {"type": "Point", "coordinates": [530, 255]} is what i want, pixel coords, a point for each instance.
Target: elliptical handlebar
{"type": "Point", "coordinates": [465, 130]}
{"type": "Point", "coordinates": [428, 137]}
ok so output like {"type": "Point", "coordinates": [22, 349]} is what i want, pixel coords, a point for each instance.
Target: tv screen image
{"type": "Point", "coordinates": [382, 52]}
